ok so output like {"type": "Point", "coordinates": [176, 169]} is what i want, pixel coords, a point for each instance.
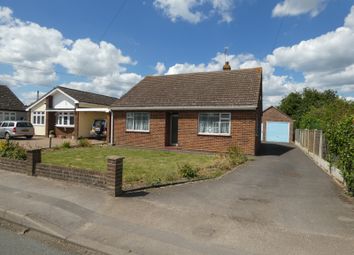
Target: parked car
{"type": "Point", "coordinates": [10, 129]}
{"type": "Point", "coordinates": [99, 129]}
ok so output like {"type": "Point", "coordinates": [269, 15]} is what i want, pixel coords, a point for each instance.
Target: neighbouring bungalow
{"type": "Point", "coordinates": [276, 126]}
{"type": "Point", "coordinates": [69, 112]}
{"type": "Point", "coordinates": [11, 108]}
{"type": "Point", "coordinates": [209, 111]}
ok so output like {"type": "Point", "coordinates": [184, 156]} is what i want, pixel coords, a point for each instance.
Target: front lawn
{"type": "Point", "coordinates": [141, 166]}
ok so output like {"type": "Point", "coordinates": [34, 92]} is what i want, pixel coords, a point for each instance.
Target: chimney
{"type": "Point", "coordinates": [227, 66]}
{"type": "Point", "coordinates": [37, 94]}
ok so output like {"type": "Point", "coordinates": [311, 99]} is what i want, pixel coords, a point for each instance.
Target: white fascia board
{"type": "Point", "coordinates": [93, 110]}
{"type": "Point", "coordinates": [60, 110]}
{"type": "Point", "coordinates": [185, 108]}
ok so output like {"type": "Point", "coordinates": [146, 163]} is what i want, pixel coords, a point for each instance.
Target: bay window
{"type": "Point", "coordinates": [214, 123]}
{"type": "Point", "coordinates": [38, 118]}
{"type": "Point", "coordinates": [138, 121]}
{"type": "Point", "coordinates": [65, 119]}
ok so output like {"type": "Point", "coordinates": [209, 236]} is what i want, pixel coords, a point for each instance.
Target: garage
{"type": "Point", "coordinates": [277, 131]}
{"type": "Point", "coordinates": [276, 126]}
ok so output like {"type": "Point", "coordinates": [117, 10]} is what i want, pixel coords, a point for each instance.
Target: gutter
{"type": "Point", "coordinates": [185, 108]}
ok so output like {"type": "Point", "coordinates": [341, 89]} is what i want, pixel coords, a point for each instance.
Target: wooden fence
{"type": "Point", "coordinates": [314, 144]}
{"type": "Point", "coordinates": [312, 140]}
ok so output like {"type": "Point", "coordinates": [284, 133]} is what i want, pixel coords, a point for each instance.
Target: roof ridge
{"type": "Point", "coordinates": [82, 91]}
{"type": "Point", "coordinates": [258, 68]}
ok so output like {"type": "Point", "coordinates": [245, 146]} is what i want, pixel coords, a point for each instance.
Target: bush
{"type": "Point", "coordinates": [340, 137]}
{"type": "Point", "coordinates": [188, 171]}
{"type": "Point", "coordinates": [84, 142]}
{"type": "Point", "coordinates": [236, 156]}
{"type": "Point", "coordinates": [66, 145]}
{"type": "Point", "coordinates": [12, 150]}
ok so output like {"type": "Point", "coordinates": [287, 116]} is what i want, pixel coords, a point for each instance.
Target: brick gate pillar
{"type": "Point", "coordinates": [114, 175]}
{"type": "Point", "coordinates": [33, 157]}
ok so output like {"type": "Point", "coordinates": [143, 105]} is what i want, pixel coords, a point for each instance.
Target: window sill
{"type": "Point", "coordinates": [211, 134]}
{"type": "Point", "coordinates": [65, 126]}
{"type": "Point", "coordinates": [137, 131]}
{"type": "Point", "coordinates": [38, 124]}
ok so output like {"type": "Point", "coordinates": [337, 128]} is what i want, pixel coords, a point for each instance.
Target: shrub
{"type": "Point", "coordinates": [84, 142]}
{"type": "Point", "coordinates": [188, 171]}
{"type": "Point", "coordinates": [66, 145]}
{"type": "Point", "coordinates": [340, 137]}
{"type": "Point", "coordinates": [236, 156]}
{"type": "Point", "coordinates": [12, 150]}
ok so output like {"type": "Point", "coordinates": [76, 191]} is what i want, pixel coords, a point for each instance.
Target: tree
{"type": "Point", "coordinates": [297, 104]}
{"type": "Point", "coordinates": [324, 116]}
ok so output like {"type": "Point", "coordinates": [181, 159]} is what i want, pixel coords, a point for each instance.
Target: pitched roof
{"type": "Point", "coordinates": [9, 101]}
{"type": "Point", "coordinates": [275, 108]}
{"type": "Point", "coordinates": [88, 97]}
{"type": "Point", "coordinates": [228, 89]}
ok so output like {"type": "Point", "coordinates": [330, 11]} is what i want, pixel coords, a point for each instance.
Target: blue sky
{"type": "Point", "coordinates": [108, 46]}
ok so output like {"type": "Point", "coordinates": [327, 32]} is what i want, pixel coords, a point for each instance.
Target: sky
{"type": "Point", "coordinates": [108, 46]}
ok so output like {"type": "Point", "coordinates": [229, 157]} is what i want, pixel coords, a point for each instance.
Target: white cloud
{"type": "Point", "coordinates": [30, 97]}
{"type": "Point", "coordinates": [298, 7]}
{"type": "Point", "coordinates": [194, 11]}
{"type": "Point", "coordinates": [85, 57]}
{"type": "Point", "coordinates": [326, 61]}
{"type": "Point", "coordinates": [160, 68]}
{"type": "Point", "coordinates": [33, 52]}
{"type": "Point", "coordinates": [115, 84]}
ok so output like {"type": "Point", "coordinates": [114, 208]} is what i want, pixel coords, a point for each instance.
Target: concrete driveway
{"type": "Point", "coordinates": [280, 203]}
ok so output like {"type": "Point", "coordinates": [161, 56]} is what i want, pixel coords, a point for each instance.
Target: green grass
{"type": "Point", "coordinates": [141, 166]}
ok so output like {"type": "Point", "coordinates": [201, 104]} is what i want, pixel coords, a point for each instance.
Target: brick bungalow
{"type": "Point", "coordinates": [11, 108]}
{"type": "Point", "coordinates": [208, 111]}
{"type": "Point", "coordinates": [69, 112]}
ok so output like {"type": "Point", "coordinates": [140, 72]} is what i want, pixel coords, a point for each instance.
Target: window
{"type": "Point", "coordinates": [9, 116]}
{"type": "Point", "coordinates": [65, 119]}
{"type": "Point", "coordinates": [38, 118]}
{"type": "Point", "coordinates": [214, 123]}
{"type": "Point", "coordinates": [138, 121]}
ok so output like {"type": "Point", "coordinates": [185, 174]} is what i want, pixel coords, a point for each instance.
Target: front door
{"type": "Point", "coordinates": [174, 129]}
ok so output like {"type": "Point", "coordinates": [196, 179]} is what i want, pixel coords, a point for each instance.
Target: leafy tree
{"type": "Point", "coordinates": [297, 104]}
{"type": "Point", "coordinates": [324, 116]}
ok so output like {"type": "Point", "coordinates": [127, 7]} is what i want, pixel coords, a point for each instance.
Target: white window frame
{"type": "Point", "coordinates": [219, 122]}
{"type": "Point", "coordinates": [41, 116]}
{"type": "Point", "coordinates": [9, 116]}
{"type": "Point", "coordinates": [133, 117]}
{"type": "Point", "coordinates": [60, 119]}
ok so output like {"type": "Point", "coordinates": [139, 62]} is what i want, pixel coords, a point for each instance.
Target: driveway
{"type": "Point", "coordinates": [280, 203]}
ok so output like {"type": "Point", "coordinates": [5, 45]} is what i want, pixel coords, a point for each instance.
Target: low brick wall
{"type": "Point", "coordinates": [111, 180]}
{"type": "Point", "coordinates": [13, 165]}
{"type": "Point", "coordinates": [71, 174]}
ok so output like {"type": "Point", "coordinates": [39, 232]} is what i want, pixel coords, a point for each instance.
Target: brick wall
{"type": "Point", "coordinates": [272, 114]}
{"type": "Point", "coordinates": [63, 132]}
{"type": "Point", "coordinates": [13, 165]}
{"type": "Point", "coordinates": [111, 180]}
{"type": "Point", "coordinates": [71, 174]}
{"type": "Point", "coordinates": [243, 133]}
{"type": "Point", "coordinates": [153, 139]}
